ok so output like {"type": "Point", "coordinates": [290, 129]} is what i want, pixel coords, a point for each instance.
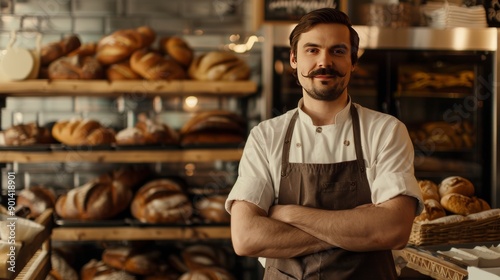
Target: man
{"type": "Point", "coordinates": [326, 190]}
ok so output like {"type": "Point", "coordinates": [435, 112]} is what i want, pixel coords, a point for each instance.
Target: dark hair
{"type": "Point", "coordinates": [324, 15]}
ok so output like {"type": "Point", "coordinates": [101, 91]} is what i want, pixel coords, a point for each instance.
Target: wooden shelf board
{"type": "Point", "coordinates": [195, 155]}
{"type": "Point", "coordinates": [139, 233]}
{"type": "Point", "coordinates": [132, 87]}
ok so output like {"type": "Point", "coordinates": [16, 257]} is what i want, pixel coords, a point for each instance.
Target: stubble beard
{"type": "Point", "coordinates": [327, 94]}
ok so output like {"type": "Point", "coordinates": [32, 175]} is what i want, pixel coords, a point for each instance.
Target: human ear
{"type": "Point", "coordinates": [293, 61]}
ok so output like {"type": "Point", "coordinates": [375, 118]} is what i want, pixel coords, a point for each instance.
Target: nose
{"type": "Point", "coordinates": [325, 60]}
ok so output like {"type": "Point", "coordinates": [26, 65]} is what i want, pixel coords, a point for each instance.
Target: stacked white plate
{"type": "Point", "coordinates": [445, 15]}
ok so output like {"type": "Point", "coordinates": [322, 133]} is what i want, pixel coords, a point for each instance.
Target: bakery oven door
{"type": "Point", "coordinates": [364, 87]}
{"type": "Point", "coordinates": [446, 100]}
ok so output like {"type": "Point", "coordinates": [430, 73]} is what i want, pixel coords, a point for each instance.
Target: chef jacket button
{"type": "Point", "coordinates": [319, 129]}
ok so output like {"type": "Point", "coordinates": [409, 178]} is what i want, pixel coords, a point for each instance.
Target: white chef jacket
{"type": "Point", "coordinates": [387, 151]}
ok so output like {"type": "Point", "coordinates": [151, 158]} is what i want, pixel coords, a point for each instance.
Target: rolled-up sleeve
{"type": "Point", "coordinates": [254, 183]}
{"type": "Point", "coordinates": [394, 170]}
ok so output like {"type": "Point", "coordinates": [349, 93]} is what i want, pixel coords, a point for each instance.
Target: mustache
{"type": "Point", "coordinates": [322, 72]}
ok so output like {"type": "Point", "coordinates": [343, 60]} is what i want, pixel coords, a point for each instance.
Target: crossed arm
{"type": "Point", "coordinates": [294, 230]}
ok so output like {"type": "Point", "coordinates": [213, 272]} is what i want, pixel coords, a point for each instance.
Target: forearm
{"type": "Point", "coordinates": [383, 227]}
{"type": "Point", "coordinates": [260, 236]}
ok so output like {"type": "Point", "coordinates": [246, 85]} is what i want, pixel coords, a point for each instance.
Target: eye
{"type": "Point", "coordinates": [339, 51]}
{"type": "Point", "coordinates": [312, 50]}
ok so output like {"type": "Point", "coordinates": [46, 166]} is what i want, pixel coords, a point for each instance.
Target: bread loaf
{"type": "Point", "coordinates": [213, 273]}
{"type": "Point", "coordinates": [55, 50]}
{"type": "Point", "coordinates": [212, 209]}
{"type": "Point", "coordinates": [147, 132]}
{"type": "Point", "coordinates": [201, 256]}
{"type": "Point", "coordinates": [135, 260]}
{"type": "Point", "coordinates": [82, 132]}
{"type": "Point", "coordinates": [432, 210]}
{"type": "Point", "coordinates": [75, 68]}
{"type": "Point", "coordinates": [121, 71]}
{"type": "Point", "coordinates": [429, 190]}
{"type": "Point", "coordinates": [161, 201]}
{"type": "Point", "coordinates": [86, 49]}
{"type": "Point", "coordinates": [98, 270]}
{"type": "Point", "coordinates": [219, 66]}
{"type": "Point", "coordinates": [120, 45]}
{"type": "Point", "coordinates": [456, 184]}
{"type": "Point", "coordinates": [26, 134]}
{"type": "Point", "coordinates": [61, 269]}
{"type": "Point", "coordinates": [461, 204]}
{"type": "Point", "coordinates": [37, 199]}
{"type": "Point", "coordinates": [177, 49]}
{"type": "Point", "coordinates": [94, 200]}
{"type": "Point", "coordinates": [213, 127]}
{"type": "Point", "coordinates": [129, 176]}
{"type": "Point", "coordinates": [152, 66]}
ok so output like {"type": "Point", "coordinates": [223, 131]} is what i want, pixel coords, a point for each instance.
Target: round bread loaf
{"type": "Point", "coordinates": [61, 269]}
{"type": "Point", "coordinates": [161, 201]}
{"type": "Point", "coordinates": [212, 209]}
{"type": "Point", "coordinates": [456, 184]}
{"type": "Point", "coordinates": [26, 134]}
{"type": "Point", "coordinates": [432, 210]}
{"type": "Point", "coordinates": [82, 132]}
{"type": "Point", "coordinates": [219, 66]}
{"type": "Point", "coordinates": [429, 190]}
{"type": "Point", "coordinates": [75, 68]}
{"type": "Point", "coordinates": [134, 260]}
{"type": "Point", "coordinates": [120, 44]}
{"type": "Point", "coordinates": [147, 132]}
{"type": "Point", "coordinates": [121, 71]}
{"type": "Point", "coordinates": [95, 200]}
{"type": "Point", "coordinates": [213, 273]}
{"type": "Point", "coordinates": [153, 66]}
{"type": "Point", "coordinates": [203, 256]}
{"type": "Point", "coordinates": [98, 270]}
{"type": "Point", "coordinates": [37, 199]}
{"type": "Point", "coordinates": [178, 50]}
{"type": "Point", "coordinates": [463, 205]}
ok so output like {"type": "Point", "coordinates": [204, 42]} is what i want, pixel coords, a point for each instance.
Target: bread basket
{"type": "Point", "coordinates": [479, 227]}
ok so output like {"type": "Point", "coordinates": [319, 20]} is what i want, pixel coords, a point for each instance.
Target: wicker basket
{"type": "Point", "coordinates": [470, 230]}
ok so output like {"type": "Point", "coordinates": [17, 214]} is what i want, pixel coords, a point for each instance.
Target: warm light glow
{"type": "Point", "coordinates": [191, 101]}
{"type": "Point", "coordinates": [242, 48]}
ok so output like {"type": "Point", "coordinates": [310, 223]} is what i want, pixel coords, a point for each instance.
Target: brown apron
{"type": "Point", "coordinates": [334, 186]}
